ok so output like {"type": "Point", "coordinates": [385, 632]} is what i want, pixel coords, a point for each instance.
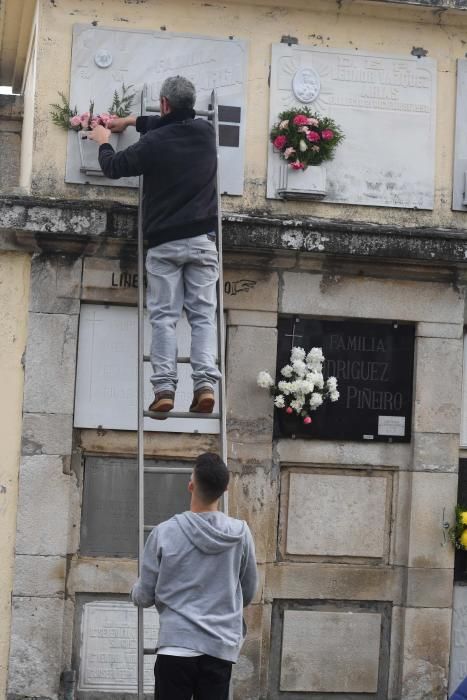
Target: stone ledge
{"type": "Point", "coordinates": [74, 226]}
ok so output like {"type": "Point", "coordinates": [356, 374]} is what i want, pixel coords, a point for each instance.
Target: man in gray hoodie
{"type": "Point", "coordinates": [199, 570]}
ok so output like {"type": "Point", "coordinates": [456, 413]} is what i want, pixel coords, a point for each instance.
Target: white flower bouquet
{"type": "Point", "coordinates": [303, 388]}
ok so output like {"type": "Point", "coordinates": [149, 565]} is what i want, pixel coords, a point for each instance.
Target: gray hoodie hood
{"type": "Point", "coordinates": [211, 532]}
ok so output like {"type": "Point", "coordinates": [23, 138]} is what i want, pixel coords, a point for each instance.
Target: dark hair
{"type": "Point", "coordinates": [211, 476]}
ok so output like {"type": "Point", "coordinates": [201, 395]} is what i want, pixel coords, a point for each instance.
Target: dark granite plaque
{"type": "Point", "coordinates": [460, 562]}
{"type": "Point", "coordinates": [373, 363]}
{"type": "Point", "coordinates": [109, 521]}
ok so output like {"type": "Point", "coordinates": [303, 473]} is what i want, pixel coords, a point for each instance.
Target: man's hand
{"type": "Point", "coordinates": [119, 124]}
{"type": "Point", "coordinates": [99, 134]}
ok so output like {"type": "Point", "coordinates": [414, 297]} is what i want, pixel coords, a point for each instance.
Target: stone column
{"type": "Point", "coordinates": [48, 517]}
{"type": "Point", "coordinates": [427, 614]}
{"type": "Point", "coordinates": [252, 347]}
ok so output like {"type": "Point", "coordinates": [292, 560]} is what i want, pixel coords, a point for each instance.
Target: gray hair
{"type": "Point", "coordinates": [180, 92]}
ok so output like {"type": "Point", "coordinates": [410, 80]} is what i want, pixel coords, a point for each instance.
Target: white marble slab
{"type": "Point", "coordinates": [103, 59]}
{"type": "Point", "coordinates": [385, 106]}
{"type": "Point", "coordinates": [109, 646]}
{"type": "Point", "coordinates": [106, 374]}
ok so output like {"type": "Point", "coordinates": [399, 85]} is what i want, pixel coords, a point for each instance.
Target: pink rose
{"type": "Point", "coordinates": [84, 119]}
{"type": "Point", "coordinates": [312, 121]}
{"type": "Point", "coordinates": [307, 420]}
{"type": "Point", "coordinates": [289, 152]}
{"type": "Point", "coordinates": [288, 409]}
{"type": "Point", "coordinates": [296, 165]}
{"type": "Point", "coordinates": [75, 122]}
{"type": "Point", "coordinates": [279, 142]}
{"type": "Point", "coordinates": [300, 120]}
{"type": "Point", "coordinates": [94, 122]}
{"type": "Point", "coordinates": [312, 136]}
{"type": "Point", "coordinates": [104, 118]}
{"type": "Point", "coordinates": [327, 134]}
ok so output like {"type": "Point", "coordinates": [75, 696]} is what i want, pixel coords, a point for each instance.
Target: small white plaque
{"type": "Point", "coordinates": [109, 647]}
{"type": "Point", "coordinates": [106, 373]}
{"type": "Point", "coordinates": [391, 425]}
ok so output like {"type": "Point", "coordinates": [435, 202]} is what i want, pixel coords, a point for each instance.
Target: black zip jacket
{"type": "Point", "coordinates": [177, 156]}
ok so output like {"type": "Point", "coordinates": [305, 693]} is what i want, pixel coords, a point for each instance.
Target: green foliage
{"type": "Point", "coordinates": [313, 142]}
{"type": "Point", "coordinates": [62, 113]}
{"type": "Point", "coordinates": [121, 104]}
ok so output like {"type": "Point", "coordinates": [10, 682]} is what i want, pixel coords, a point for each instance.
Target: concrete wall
{"type": "Point", "coordinates": [383, 28]}
{"type": "Point", "coordinates": [14, 290]}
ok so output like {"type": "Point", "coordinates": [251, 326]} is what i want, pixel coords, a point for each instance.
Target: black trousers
{"type": "Point", "coordinates": [198, 677]}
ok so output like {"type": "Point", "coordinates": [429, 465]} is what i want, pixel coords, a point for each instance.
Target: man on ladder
{"type": "Point", "coordinates": [177, 156]}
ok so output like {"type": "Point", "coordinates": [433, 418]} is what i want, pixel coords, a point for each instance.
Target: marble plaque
{"type": "Point", "coordinates": [385, 105]}
{"type": "Point", "coordinates": [106, 374]}
{"type": "Point", "coordinates": [103, 59]}
{"type": "Point", "coordinates": [336, 515]}
{"type": "Point", "coordinates": [109, 646]}
{"type": "Point", "coordinates": [458, 663]}
{"type": "Point", "coordinates": [109, 518]}
{"type": "Point", "coordinates": [330, 652]}
{"type": "Point", "coordinates": [113, 281]}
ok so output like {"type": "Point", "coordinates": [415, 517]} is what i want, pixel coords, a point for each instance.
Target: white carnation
{"type": "Point", "coordinates": [334, 395]}
{"type": "Point", "coordinates": [331, 383]}
{"type": "Point", "coordinates": [285, 387]}
{"type": "Point", "coordinates": [315, 357]}
{"type": "Point", "coordinates": [287, 371]}
{"type": "Point", "coordinates": [279, 401]}
{"type": "Point", "coordinates": [297, 354]}
{"type": "Point", "coordinates": [307, 386]}
{"type": "Point", "coordinates": [299, 367]}
{"type": "Point", "coordinates": [317, 378]}
{"type": "Point", "coordinates": [265, 381]}
{"type": "Point", "coordinates": [315, 400]}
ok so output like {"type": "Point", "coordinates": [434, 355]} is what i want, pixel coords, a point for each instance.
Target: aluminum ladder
{"type": "Point", "coordinates": [212, 114]}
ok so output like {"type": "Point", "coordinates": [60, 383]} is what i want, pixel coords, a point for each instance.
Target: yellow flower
{"type": "Point", "coordinates": [463, 517]}
{"type": "Point", "coordinates": [463, 539]}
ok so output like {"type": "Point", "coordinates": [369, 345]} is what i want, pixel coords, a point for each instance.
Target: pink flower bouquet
{"type": "Point", "coordinates": [303, 138]}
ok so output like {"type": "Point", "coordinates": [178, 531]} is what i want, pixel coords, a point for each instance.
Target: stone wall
{"type": "Point", "coordinates": [11, 122]}
{"type": "Point", "coordinates": [382, 577]}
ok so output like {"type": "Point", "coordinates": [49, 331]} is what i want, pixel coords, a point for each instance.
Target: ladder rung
{"type": "Point", "coordinates": [180, 360]}
{"type": "Point", "coordinates": [199, 112]}
{"type": "Point", "coordinates": [179, 414]}
{"type": "Point", "coordinates": [167, 470]}
{"type": "Point", "coordinates": [185, 360]}
{"type": "Point", "coordinates": [149, 652]}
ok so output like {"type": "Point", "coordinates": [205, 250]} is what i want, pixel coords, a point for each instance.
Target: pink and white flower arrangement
{"type": "Point", "coordinates": [302, 388]}
{"type": "Point", "coordinates": [303, 138]}
{"type": "Point", "coordinates": [64, 116]}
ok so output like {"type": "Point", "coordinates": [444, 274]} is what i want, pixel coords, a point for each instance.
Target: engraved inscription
{"type": "Point", "coordinates": [109, 645]}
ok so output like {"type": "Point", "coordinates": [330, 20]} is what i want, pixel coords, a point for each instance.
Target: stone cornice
{"type": "Point", "coordinates": [76, 227]}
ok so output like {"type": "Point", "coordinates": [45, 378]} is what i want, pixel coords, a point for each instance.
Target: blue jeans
{"type": "Point", "coordinates": [183, 274]}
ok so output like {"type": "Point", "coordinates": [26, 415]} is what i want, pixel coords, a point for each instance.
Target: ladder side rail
{"type": "Point", "coordinates": [140, 670]}
{"type": "Point", "coordinates": [220, 303]}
